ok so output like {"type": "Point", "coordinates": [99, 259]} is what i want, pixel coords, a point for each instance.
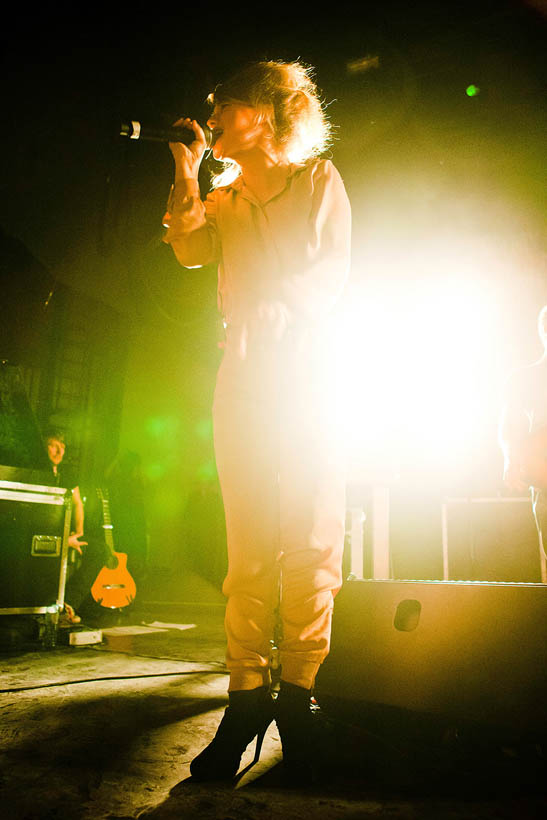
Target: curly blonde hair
{"type": "Point", "coordinates": [286, 96]}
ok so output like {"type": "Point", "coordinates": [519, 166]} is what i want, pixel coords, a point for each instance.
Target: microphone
{"type": "Point", "coordinates": [136, 131]}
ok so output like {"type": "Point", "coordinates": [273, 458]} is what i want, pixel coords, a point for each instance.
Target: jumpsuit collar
{"type": "Point", "coordinates": [239, 186]}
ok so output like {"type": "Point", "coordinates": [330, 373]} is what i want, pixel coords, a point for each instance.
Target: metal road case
{"type": "Point", "coordinates": [34, 530]}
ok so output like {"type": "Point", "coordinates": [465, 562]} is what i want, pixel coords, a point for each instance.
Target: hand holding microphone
{"type": "Point", "coordinates": [135, 130]}
{"type": "Point", "coordinates": [187, 141]}
{"type": "Point", "coordinates": [188, 155]}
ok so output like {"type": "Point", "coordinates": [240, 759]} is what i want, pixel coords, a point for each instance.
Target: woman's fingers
{"type": "Point", "coordinates": [198, 131]}
{"type": "Point", "coordinates": [192, 153]}
{"type": "Point", "coordinates": [192, 125]}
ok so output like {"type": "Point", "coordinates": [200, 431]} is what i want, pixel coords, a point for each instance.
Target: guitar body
{"type": "Point", "coordinates": [114, 588]}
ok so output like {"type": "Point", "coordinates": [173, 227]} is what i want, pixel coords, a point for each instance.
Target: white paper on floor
{"type": "Point", "coordinates": [171, 626]}
{"type": "Point", "coordinates": [130, 630]}
{"type": "Point", "coordinates": [145, 629]}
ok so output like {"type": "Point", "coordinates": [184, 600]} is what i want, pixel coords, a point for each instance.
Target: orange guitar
{"type": "Point", "coordinates": [113, 587]}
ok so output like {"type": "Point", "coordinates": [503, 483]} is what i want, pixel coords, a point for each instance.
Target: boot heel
{"type": "Point", "coordinates": [248, 715]}
{"type": "Point", "coordinates": [259, 741]}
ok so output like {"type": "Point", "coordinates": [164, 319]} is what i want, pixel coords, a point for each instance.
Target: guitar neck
{"type": "Point", "coordinates": [108, 537]}
{"type": "Point", "coordinates": [107, 523]}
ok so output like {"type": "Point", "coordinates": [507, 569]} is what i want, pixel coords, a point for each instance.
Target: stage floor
{"type": "Point", "coordinates": [108, 732]}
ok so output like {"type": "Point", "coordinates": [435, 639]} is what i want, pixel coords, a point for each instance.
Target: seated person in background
{"type": "Point", "coordinates": [64, 476]}
{"type": "Point", "coordinates": [89, 556]}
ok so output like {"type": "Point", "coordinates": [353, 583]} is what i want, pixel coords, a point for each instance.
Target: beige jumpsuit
{"type": "Point", "coordinates": [280, 463]}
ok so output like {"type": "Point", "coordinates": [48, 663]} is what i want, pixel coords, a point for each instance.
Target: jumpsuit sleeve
{"type": "Point", "coordinates": [192, 225]}
{"type": "Point", "coordinates": [312, 288]}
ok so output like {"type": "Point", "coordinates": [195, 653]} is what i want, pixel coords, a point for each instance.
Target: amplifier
{"type": "Point", "coordinates": [34, 531]}
{"type": "Point", "coordinates": [464, 651]}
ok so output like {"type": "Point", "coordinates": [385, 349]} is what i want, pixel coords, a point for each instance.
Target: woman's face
{"type": "Point", "coordinates": [236, 130]}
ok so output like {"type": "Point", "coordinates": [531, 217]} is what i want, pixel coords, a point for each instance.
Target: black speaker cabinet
{"type": "Point", "coordinates": [466, 651]}
{"type": "Point", "coordinates": [34, 530]}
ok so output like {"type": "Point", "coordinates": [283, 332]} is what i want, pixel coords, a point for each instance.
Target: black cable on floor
{"type": "Point", "coordinates": [112, 678]}
{"type": "Point", "coordinates": [102, 648]}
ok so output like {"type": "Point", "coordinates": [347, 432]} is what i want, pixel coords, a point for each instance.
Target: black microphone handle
{"type": "Point", "coordinates": [136, 131]}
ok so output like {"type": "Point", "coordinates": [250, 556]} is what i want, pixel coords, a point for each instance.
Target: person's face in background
{"type": "Point", "coordinates": [55, 451]}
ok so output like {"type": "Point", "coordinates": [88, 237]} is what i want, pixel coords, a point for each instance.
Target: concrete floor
{"type": "Point", "coordinates": [108, 732]}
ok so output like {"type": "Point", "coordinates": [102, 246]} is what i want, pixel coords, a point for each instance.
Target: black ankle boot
{"type": "Point", "coordinates": [247, 716]}
{"type": "Point", "coordinates": [298, 728]}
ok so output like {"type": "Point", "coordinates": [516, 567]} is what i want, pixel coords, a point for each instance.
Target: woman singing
{"type": "Point", "coordinates": [280, 234]}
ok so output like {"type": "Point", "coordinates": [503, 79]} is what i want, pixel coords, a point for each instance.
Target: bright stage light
{"type": "Point", "coordinates": [417, 363]}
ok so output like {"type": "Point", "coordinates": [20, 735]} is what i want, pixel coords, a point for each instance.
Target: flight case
{"type": "Point", "coordinates": [34, 531]}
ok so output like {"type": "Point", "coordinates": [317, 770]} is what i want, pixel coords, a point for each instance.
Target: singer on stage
{"type": "Point", "coordinates": [279, 231]}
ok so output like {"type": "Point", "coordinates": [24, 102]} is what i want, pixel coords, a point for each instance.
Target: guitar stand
{"type": "Point", "coordinates": [113, 616]}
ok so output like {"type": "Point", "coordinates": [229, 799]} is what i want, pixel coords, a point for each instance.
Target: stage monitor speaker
{"type": "Point", "coordinates": [463, 651]}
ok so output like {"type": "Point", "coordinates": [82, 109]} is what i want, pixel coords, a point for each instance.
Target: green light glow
{"type": "Point", "coordinates": [167, 504]}
{"type": "Point", "coordinates": [204, 428]}
{"type": "Point", "coordinates": [472, 90]}
{"type": "Point", "coordinates": [162, 427]}
{"type": "Point", "coordinates": [207, 471]}
{"type": "Point", "coordinates": [154, 472]}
